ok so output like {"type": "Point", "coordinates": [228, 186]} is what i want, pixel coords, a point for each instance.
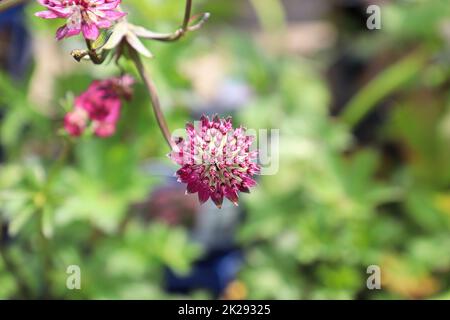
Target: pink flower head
{"type": "Point", "coordinates": [216, 160]}
{"type": "Point", "coordinates": [86, 16]}
{"type": "Point", "coordinates": [101, 103]}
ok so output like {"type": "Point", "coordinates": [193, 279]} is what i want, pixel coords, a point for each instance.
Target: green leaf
{"type": "Point", "coordinates": [134, 41]}
{"type": "Point", "coordinates": [102, 39]}
{"type": "Point", "coordinates": [47, 222]}
{"type": "Point", "coordinates": [117, 35]}
{"type": "Point", "coordinates": [20, 219]}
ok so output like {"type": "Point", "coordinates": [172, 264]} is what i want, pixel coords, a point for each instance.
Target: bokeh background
{"type": "Point", "coordinates": [364, 175]}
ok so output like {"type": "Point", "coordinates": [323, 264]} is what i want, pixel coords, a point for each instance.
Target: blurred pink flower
{"type": "Point", "coordinates": [104, 129]}
{"type": "Point", "coordinates": [101, 103]}
{"type": "Point", "coordinates": [216, 160]}
{"type": "Point", "coordinates": [75, 122]}
{"type": "Point", "coordinates": [86, 16]}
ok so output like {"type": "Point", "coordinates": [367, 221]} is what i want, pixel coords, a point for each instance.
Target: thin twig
{"type": "Point", "coordinates": [187, 14]}
{"type": "Point", "coordinates": [156, 104]}
{"type": "Point", "coordinates": [185, 27]}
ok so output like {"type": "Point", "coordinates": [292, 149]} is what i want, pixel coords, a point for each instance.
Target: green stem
{"type": "Point", "coordinates": [187, 14]}
{"type": "Point", "coordinates": [185, 26]}
{"type": "Point", "coordinates": [156, 104]}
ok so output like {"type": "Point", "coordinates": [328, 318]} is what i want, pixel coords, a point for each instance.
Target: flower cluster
{"type": "Point", "coordinates": [216, 160]}
{"type": "Point", "coordinates": [99, 106]}
{"type": "Point", "coordinates": [86, 16]}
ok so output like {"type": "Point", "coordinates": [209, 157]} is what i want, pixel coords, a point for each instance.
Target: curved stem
{"type": "Point", "coordinates": [199, 19]}
{"type": "Point", "coordinates": [187, 14]}
{"type": "Point", "coordinates": [185, 27]}
{"type": "Point", "coordinates": [156, 104]}
{"type": "Point", "coordinates": [95, 57]}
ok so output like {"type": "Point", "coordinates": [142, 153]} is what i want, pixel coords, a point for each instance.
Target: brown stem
{"type": "Point", "coordinates": [153, 96]}
{"type": "Point", "coordinates": [95, 57]}
{"type": "Point", "coordinates": [187, 14]}
{"type": "Point", "coordinates": [185, 27]}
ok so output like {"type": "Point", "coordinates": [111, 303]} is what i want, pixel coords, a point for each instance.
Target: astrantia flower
{"type": "Point", "coordinates": [216, 160]}
{"type": "Point", "coordinates": [101, 104]}
{"type": "Point", "coordinates": [86, 16]}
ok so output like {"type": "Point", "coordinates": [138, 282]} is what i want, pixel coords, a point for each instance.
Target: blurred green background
{"type": "Point", "coordinates": [363, 179]}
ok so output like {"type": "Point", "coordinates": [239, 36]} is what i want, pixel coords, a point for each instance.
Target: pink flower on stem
{"type": "Point", "coordinates": [216, 160]}
{"type": "Point", "coordinates": [86, 16]}
{"type": "Point", "coordinates": [101, 104]}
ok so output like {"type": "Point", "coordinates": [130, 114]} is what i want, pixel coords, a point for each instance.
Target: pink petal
{"type": "Point", "coordinates": [114, 15]}
{"type": "Point", "coordinates": [90, 31]}
{"type": "Point", "coordinates": [104, 24]}
{"type": "Point", "coordinates": [193, 187]}
{"type": "Point", "coordinates": [72, 32]}
{"type": "Point", "coordinates": [61, 32]}
{"type": "Point", "coordinates": [232, 195]}
{"type": "Point", "coordinates": [203, 195]}
{"type": "Point", "coordinates": [104, 129]}
{"type": "Point", "coordinates": [217, 198]}
{"type": "Point", "coordinates": [46, 14]}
